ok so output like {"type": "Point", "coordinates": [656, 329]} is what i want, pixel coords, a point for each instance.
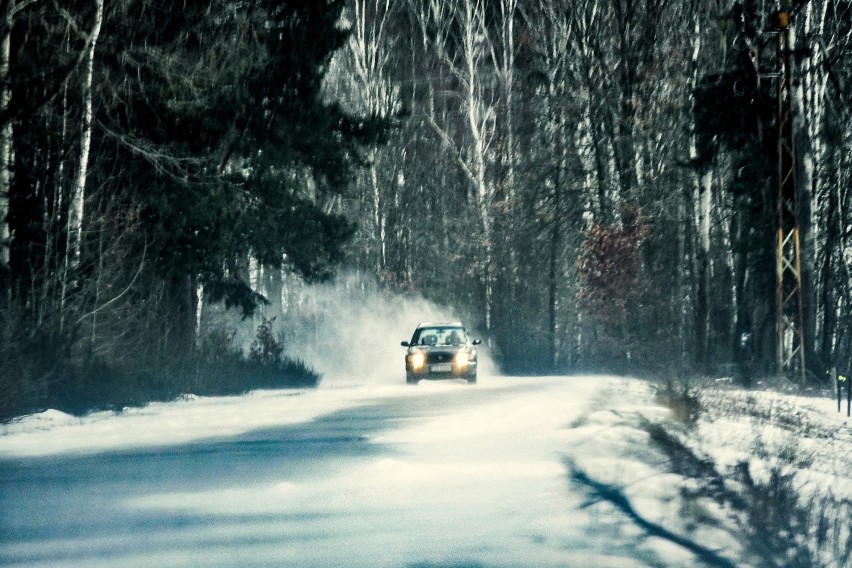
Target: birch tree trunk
{"type": "Point", "coordinates": [507, 256]}
{"type": "Point", "coordinates": [78, 192]}
{"type": "Point", "coordinates": [5, 133]}
{"type": "Point", "coordinates": [624, 149]}
{"type": "Point", "coordinates": [378, 213]}
{"type": "Point", "coordinates": [478, 117]}
{"type": "Point", "coordinates": [371, 48]}
{"type": "Point", "coordinates": [580, 30]}
{"type": "Point", "coordinates": [703, 208]}
{"type": "Point", "coordinates": [815, 164]}
{"type": "Point", "coordinates": [828, 294]}
{"type": "Point", "coordinates": [508, 11]}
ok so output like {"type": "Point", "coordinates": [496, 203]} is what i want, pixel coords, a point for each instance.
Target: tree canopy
{"type": "Point", "coordinates": [152, 149]}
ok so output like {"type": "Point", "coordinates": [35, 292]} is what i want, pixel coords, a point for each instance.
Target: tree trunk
{"type": "Point", "coordinates": [477, 123]}
{"type": "Point", "coordinates": [508, 255]}
{"type": "Point", "coordinates": [555, 256]}
{"type": "Point", "coordinates": [828, 295]}
{"type": "Point", "coordinates": [5, 135]}
{"type": "Point", "coordinates": [702, 301]}
{"type": "Point", "coordinates": [185, 302]}
{"type": "Point", "coordinates": [78, 195]}
{"type": "Point", "coordinates": [436, 22]}
{"type": "Point", "coordinates": [703, 208]}
{"type": "Point", "coordinates": [378, 214]}
{"type": "Point", "coordinates": [744, 336]}
{"type": "Point", "coordinates": [73, 243]}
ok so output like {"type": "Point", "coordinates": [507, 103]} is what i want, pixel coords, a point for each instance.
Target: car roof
{"type": "Point", "coordinates": [440, 324]}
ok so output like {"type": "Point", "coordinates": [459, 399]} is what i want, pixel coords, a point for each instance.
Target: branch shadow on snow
{"type": "Point", "coordinates": [599, 491]}
{"type": "Point", "coordinates": [778, 525]}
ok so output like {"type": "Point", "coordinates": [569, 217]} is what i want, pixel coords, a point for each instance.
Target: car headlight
{"type": "Point", "coordinates": [462, 359]}
{"type": "Point", "coordinates": [417, 360]}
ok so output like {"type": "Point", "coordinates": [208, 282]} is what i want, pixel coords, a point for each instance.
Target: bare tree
{"type": "Point", "coordinates": [363, 76]}
{"type": "Point", "coordinates": [457, 33]}
{"type": "Point", "coordinates": [11, 9]}
{"type": "Point", "coordinates": [78, 193]}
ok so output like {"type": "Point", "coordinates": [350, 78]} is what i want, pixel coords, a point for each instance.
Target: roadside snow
{"type": "Point", "coordinates": [761, 432]}
{"type": "Point", "coordinates": [767, 428]}
{"type": "Point", "coordinates": [163, 424]}
{"type": "Point", "coordinates": [194, 418]}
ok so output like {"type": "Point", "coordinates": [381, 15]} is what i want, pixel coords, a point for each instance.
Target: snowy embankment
{"type": "Point", "coordinates": [804, 435]}
{"type": "Point", "coordinates": [753, 478]}
{"type": "Point", "coordinates": [787, 464]}
{"type": "Point", "coordinates": [167, 424]}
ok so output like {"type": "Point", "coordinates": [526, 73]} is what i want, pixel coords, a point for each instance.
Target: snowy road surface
{"type": "Point", "coordinates": [438, 475]}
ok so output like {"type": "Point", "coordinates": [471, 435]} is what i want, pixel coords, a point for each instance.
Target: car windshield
{"type": "Point", "coordinates": [440, 335]}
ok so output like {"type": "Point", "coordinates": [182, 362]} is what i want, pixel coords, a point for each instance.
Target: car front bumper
{"type": "Point", "coordinates": [435, 372]}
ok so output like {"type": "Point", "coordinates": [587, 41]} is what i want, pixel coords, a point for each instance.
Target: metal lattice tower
{"type": "Point", "coordinates": [790, 352]}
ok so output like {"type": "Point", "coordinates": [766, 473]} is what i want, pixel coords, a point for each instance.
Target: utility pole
{"type": "Point", "coordinates": [790, 344]}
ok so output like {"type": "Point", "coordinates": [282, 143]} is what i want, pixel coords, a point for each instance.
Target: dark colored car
{"type": "Point", "coordinates": [440, 351]}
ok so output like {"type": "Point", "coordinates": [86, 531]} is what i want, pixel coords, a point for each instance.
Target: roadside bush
{"type": "Point", "coordinates": [681, 398]}
{"type": "Point", "coordinates": [23, 379]}
{"type": "Point", "coordinates": [266, 349]}
{"type": "Point", "coordinates": [39, 376]}
{"type": "Point", "coordinates": [222, 368]}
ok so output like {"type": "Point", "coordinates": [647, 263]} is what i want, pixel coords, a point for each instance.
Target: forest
{"type": "Point", "coordinates": [596, 185]}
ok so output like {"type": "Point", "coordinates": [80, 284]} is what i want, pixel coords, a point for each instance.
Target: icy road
{"type": "Point", "coordinates": [438, 475]}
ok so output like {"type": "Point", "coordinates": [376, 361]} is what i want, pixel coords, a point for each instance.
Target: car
{"type": "Point", "coordinates": [440, 351]}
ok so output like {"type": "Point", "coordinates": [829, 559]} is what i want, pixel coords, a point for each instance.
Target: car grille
{"type": "Point", "coordinates": [440, 357]}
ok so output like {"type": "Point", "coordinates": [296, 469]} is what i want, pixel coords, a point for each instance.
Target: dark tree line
{"type": "Point", "coordinates": [590, 182]}
{"type": "Point", "coordinates": [545, 139]}
{"type": "Point", "coordinates": [149, 150]}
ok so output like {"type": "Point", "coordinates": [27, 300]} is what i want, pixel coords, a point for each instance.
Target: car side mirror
{"type": "Point", "coordinates": [405, 344]}
{"type": "Point", "coordinates": [477, 341]}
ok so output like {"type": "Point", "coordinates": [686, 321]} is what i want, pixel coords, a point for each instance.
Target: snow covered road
{"type": "Point", "coordinates": [438, 475]}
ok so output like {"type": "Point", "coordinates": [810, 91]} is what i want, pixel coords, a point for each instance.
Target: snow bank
{"type": "Point", "coordinates": [766, 429]}
{"type": "Point", "coordinates": [163, 424]}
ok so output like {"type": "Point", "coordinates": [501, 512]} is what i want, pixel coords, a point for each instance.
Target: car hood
{"type": "Point", "coordinates": [440, 348]}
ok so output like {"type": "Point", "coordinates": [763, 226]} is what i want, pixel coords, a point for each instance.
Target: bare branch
{"type": "Point", "coordinates": [120, 294]}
